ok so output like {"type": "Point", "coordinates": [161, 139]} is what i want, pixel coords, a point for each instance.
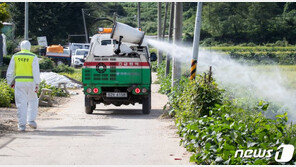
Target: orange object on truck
{"type": "Point", "coordinates": [55, 49]}
{"type": "Point", "coordinates": [58, 54]}
{"type": "Point", "coordinates": [105, 30]}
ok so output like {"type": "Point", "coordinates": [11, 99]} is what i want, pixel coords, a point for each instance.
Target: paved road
{"type": "Point", "coordinates": [112, 135]}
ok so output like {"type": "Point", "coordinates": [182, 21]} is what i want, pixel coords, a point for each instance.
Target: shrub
{"type": "Point", "coordinates": [46, 64]}
{"type": "Point", "coordinates": [6, 60]}
{"type": "Point", "coordinates": [6, 94]}
{"type": "Point", "coordinates": [214, 138]}
{"type": "Point", "coordinates": [209, 42]}
{"type": "Point", "coordinates": [198, 97]}
{"type": "Point", "coordinates": [251, 44]}
{"type": "Point", "coordinates": [213, 125]}
{"type": "Point", "coordinates": [63, 68]}
{"type": "Point", "coordinates": [55, 91]}
{"type": "Point", "coordinates": [77, 75]}
{"type": "Point", "coordinates": [188, 38]}
{"type": "Point", "coordinates": [35, 49]}
{"type": "Point", "coordinates": [11, 46]}
{"type": "Point", "coordinates": [281, 43]}
{"type": "Point", "coordinates": [154, 66]}
{"type": "Point", "coordinates": [152, 50]}
{"type": "Point", "coordinates": [282, 58]}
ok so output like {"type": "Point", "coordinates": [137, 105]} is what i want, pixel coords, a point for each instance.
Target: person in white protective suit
{"type": "Point", "coordinates": [23, 75]}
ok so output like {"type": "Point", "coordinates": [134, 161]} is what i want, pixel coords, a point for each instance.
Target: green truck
{"type": "Point", "coordinates": [117, 72]}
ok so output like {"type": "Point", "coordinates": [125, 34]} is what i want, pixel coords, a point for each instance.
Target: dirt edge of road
{"type": "Point", "coordinates": [8, 121]}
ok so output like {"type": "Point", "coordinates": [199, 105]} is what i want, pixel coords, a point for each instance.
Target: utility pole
{"type": "Point", "coordinates": [1, 51]}
{"type": "Point", "coordinates": [84, 24]}
{"type": "Point", "coordinates": [26, 30]}
{"type": "Point", "coordinates": [114, 17]}
{"type": "Point", "coordinates": [159, 53]}
{"type": "Point", "coordinates": [165, 20]}
{"type": "Point", "coordinates": [171, 28]}
{"type": "Point", "coordinates": [139, 15]}
{"type": "Point", "coordinates": [176, 74]}
{"type": "Point", "coordinates": [196, 41]}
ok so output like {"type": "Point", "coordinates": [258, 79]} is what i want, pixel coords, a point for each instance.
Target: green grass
{"type": "Point", "coordinates": [77, 75]}
{"type": "Point", "coordinates": [152, 50]}
{"type": "Point", "coordinates": [252, 48]}
{"type": "Point", "coordinates": [287, 72]}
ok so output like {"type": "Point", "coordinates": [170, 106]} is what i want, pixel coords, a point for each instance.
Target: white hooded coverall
{"type": "Point", "coordinates": [26, 99]}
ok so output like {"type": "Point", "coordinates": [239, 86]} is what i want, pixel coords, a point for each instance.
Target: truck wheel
{"type": "Point", "coordinates": [88, 105]}
{"type": "Point", "coordinates": [146, 106]}
{"type": "Point", "coordinates": [88, 110]}
{"type": "Point", "coordinates": [93, 107]}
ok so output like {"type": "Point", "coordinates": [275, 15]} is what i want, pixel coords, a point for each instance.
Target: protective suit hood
{"type": "Point", "coordinates": [25, 45]}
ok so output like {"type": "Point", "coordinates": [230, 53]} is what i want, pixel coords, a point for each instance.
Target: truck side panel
{"type": "Point", "coordinates": [118, 76]}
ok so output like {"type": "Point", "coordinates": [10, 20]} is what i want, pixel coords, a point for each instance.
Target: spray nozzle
{"type": "Point", "coordinates": [117, 51]}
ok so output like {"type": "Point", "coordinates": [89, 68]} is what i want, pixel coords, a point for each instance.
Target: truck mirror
{"type": "Point", "coordinates": [153, 56]}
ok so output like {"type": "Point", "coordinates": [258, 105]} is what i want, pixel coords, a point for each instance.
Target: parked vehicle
{"type": "Point", "coordinates": [74, 46]}
{"type": "Point", "coordinates": [78, 58]}
{"type": "Point", "coordinates": [59, 54]}
{"type": "Point", "coordinates": [117, 72]}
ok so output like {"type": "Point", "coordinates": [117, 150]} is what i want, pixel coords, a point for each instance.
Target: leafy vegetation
{"type": "Point", "coordinates": [46, 64]}
{"type": "Point", "coordinates": [11, 46]}
{"type": "Point", "coordinates": [77, 74]}
{"type": "Point", "coordinates": [259, 54]}
{"type": "Point", "coordinates": [6, 60]}
{"type": "Point", "coordinates": [55, 20]}
{"type": "Point", "coordinates": [237, 48]}
{"type": "Point", "coordinates": [282, 58]}
{"type": "Point", "coordinates": [213, 124]}
{"type": "Point", "coordinates": [63, 68]}
{"type": "Point", "coordinates": [4, 14]}
{"type": "Point", "coordinates": [287, 72]}
{"type": "Point", "coordinates": [55, 91]}
{"type": "Point", "coordinates": [223, 22]}
{"type": "Point", "coordinates": [6, 94]}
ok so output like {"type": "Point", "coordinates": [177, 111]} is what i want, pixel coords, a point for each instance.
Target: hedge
{"type": "Point", "coordinates": [260, 54]}
{"type": "Point", "coordinates": [213, 125]}
{"type": "Point", "coordinates": [6, 94]}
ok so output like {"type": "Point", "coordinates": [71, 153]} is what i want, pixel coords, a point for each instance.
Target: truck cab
{"type": "Point", "coordinates": [119, 79]}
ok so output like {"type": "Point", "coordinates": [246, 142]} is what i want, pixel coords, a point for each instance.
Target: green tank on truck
{"type": "Point", "coordinates": [117, 73]}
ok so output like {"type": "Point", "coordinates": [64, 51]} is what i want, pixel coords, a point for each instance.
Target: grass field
{"type": "Point", "coordinates": [252, 48]}
{"type": "Point", "coordinates": [287, 72]}
{"type": "Point", "coordinates": [281, 55]}
{"type": "Point", "coordinates": [77, 75]}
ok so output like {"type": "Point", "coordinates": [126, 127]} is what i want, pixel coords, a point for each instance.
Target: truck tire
{"type": "Point", "coordinates": [146, 105]}
{"type": "Point", "coordinates": [89, 109]}
{"type": "Point", "coordinates": [93, 107]}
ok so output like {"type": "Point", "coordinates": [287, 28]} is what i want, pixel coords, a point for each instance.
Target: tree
{"type": "Point", "coordinates": [245, 22]}
{"type": "Point", "coordinates": [4, 14]}
{"type": "Point", "coordinates": [53, 20]}
{"type": "Point", "coordinates": [221, 21]}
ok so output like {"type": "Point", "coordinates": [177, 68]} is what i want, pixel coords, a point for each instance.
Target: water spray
{"type": "Point", "coordinates": [242, 80]}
